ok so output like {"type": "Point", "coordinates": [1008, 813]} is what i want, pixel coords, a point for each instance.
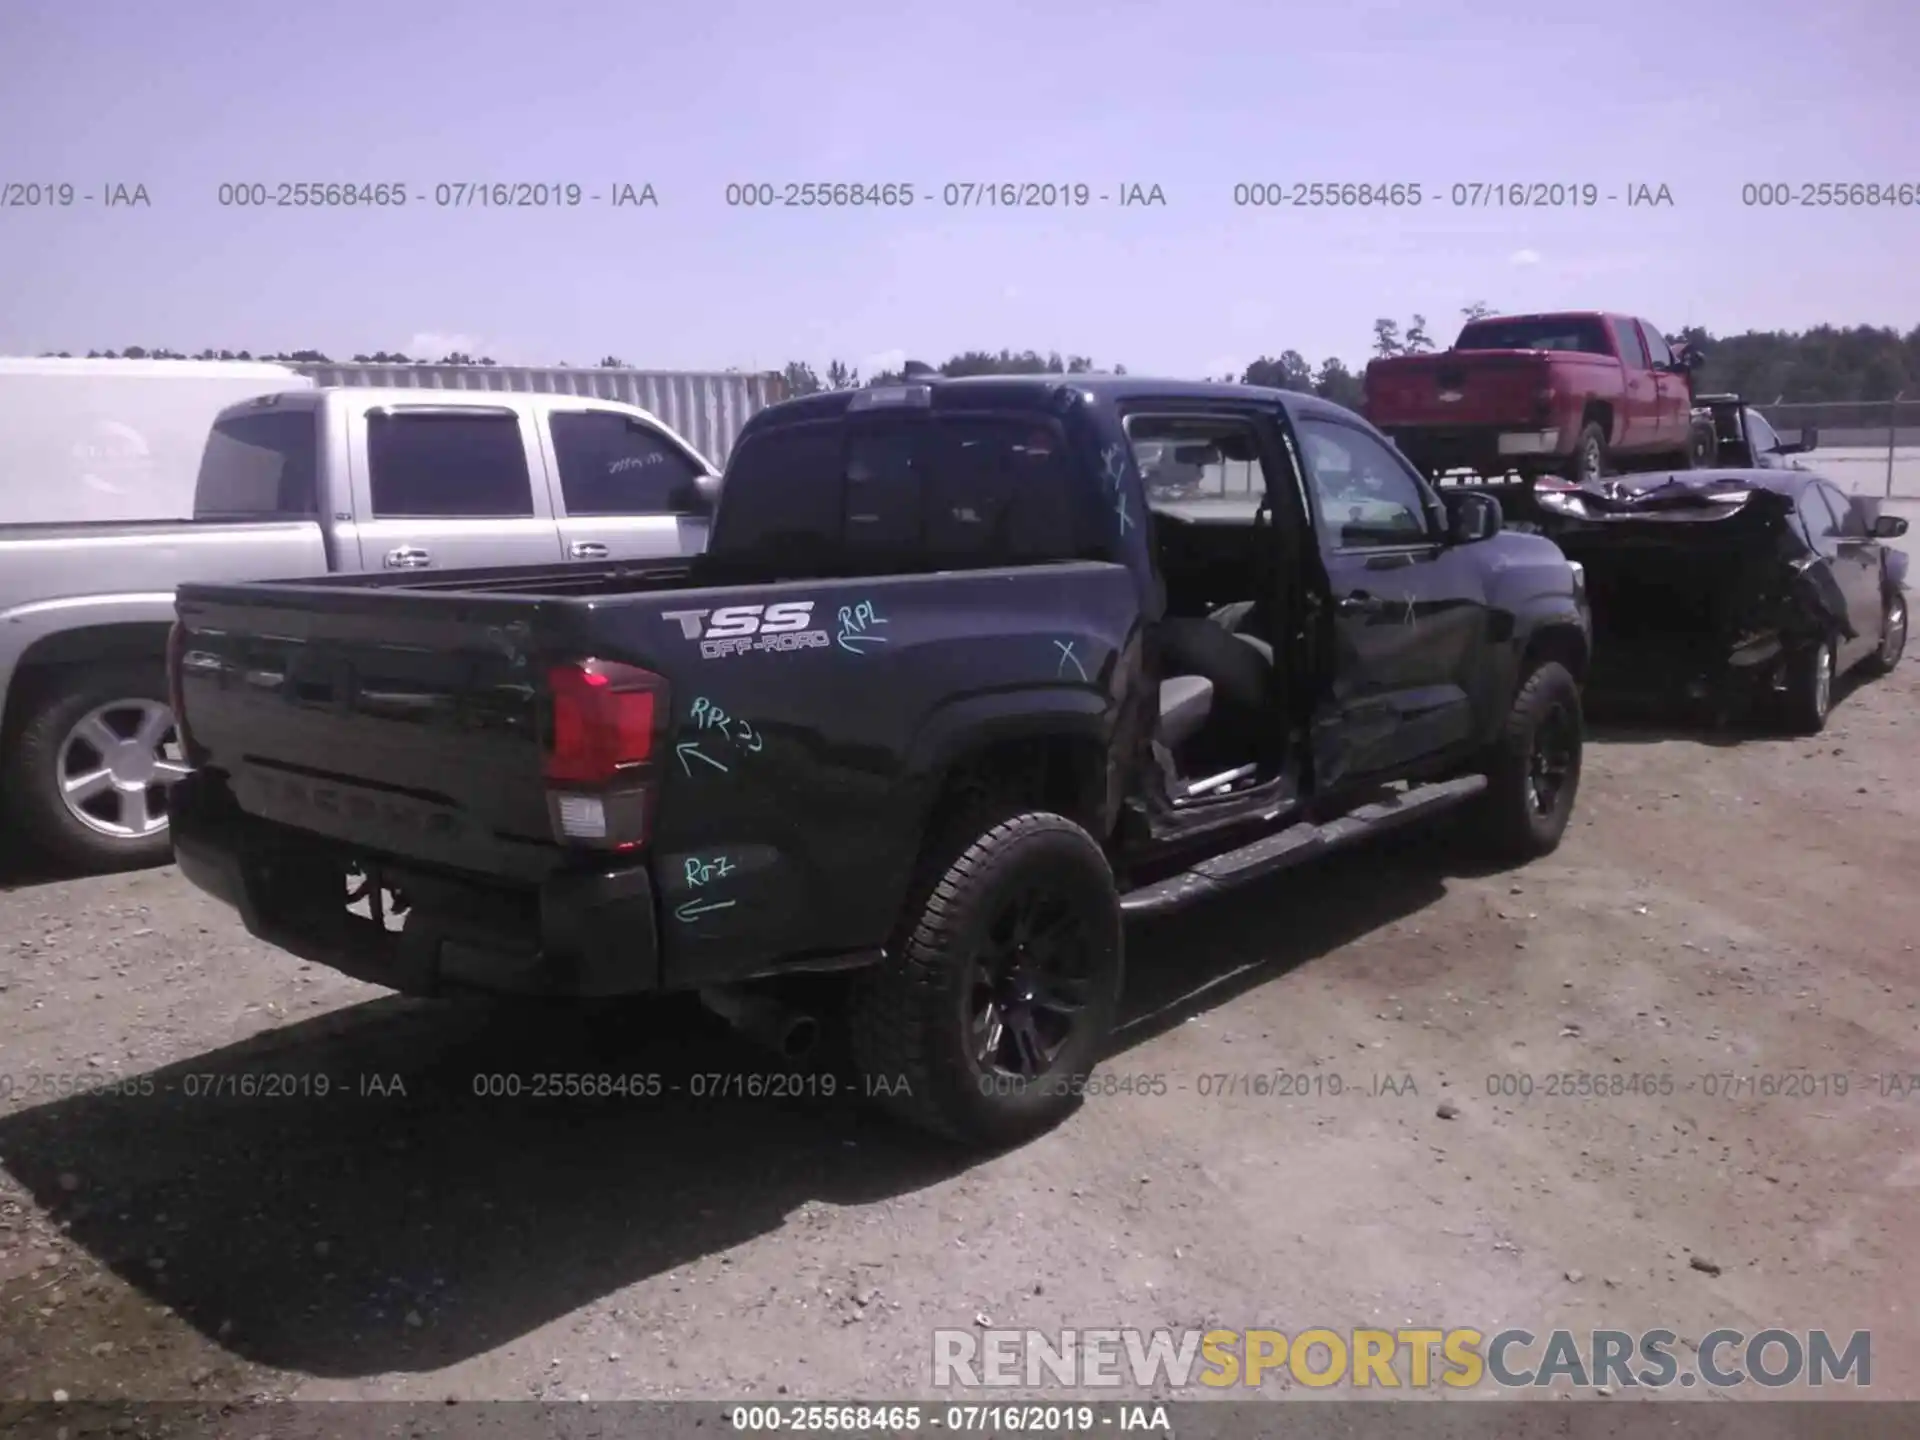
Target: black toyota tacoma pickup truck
{"type": "Point", "coordinates": [972, 670]}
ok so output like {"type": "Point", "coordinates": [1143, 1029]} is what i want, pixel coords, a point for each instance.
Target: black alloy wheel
{"type": "Point", "coordinates": [1030, 983]}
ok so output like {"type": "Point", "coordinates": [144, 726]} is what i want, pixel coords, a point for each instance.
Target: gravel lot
{"type": "Point", "coordinates": [1724, 904]}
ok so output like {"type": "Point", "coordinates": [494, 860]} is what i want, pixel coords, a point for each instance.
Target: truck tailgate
{"type": "Point", "coordinates": [406, 723]}
{"type": "Point", "coordinates": [1458, 387]}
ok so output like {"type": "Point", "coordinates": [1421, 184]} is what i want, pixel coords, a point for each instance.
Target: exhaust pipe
{"type": "Point", "coordinates": [766, 1021]}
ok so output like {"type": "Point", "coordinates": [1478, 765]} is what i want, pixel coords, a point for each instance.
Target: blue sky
{"type": "Point", "coordinates": [1699, 95]}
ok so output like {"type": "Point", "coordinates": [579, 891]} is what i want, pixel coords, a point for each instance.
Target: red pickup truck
{"type": "Point", "coordinates": [1577, 394]}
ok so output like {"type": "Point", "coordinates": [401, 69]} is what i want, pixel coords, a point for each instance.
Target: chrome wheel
{"type": "Point", "coordinates": [1822, 679]}
{"type": "Point", "coordinates": [1590, 459]}
{"type": "Point", "coordinates": [1894, 643]}
{"type": "Point", "coordinates": [116, 765]}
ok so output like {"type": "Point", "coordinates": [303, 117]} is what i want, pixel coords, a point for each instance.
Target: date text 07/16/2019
{"type": "Point", "coordinates": [948, 195]}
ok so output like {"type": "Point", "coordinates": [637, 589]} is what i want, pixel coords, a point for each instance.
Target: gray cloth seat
{"type": "Point", "coordinates": [1185, 703]}
{"type": "Point", "coordinates": [1231, 617]}
{"type": "Point", "coordinates": [1241, 671]}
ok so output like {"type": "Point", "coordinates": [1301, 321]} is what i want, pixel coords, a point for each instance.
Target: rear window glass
{"type": "Point", "coordinates": [259, 464]}
{"type": "Point", "coordinates": [908, 491]}
{"type": "Point", "coordinates": [1584, 336]}
{"type": "Point", "coordinates": [1001, 490]}
{"type": "Point", "coordinates": [448, 466]}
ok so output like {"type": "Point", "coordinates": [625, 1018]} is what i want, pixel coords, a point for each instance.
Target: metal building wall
{"type": "Point", "coordinates": [708, 408]}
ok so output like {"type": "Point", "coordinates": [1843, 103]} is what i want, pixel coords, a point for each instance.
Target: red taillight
{"type": "Point", "coordinates": [607, 720]}
{"type": "Point", "coordinates": [604, 718]}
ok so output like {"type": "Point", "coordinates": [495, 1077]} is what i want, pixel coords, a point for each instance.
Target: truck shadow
{"type": "Point", "coordinates": [25, 869]}
{"type": "Point", "coordinates": [1185, 965]}
{"type": "Point", "coordinates": [1638, 720]}
{"type": "Point", "coordinates": [20, 870]}
{"type": "Point", "coordinates": [407, 1220]}
{"type": "Point", "coordinates": [1645, 729]}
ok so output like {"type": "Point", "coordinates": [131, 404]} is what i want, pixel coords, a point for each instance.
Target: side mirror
{"type": "Point", "coordinates": [1889, 527]}
{"type": "Point", "coordinates": [1475, 517]}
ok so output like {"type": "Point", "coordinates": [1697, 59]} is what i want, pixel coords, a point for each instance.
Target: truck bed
{"type": "Point", "coordinates": [54, 561]}
{"type": "Point", "coordinates": [408, 723]}
{"type": "Point", "coordinates": [575, 579]}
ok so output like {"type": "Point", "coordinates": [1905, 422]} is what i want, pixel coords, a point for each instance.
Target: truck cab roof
{"type": "Point", "coordinates": [1547, 315]}
{"type": "Point", "coordinates": [1039, 391]}
{"type": "Point", "coordinates": [376, 397]}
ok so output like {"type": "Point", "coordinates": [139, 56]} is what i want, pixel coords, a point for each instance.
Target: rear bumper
{"type": "Point", "coordinates": [1528, 442]}
{"type": "Point", "coordinates": [1480, 447]}
{"type": "Point", "coordinates": [577, 934]}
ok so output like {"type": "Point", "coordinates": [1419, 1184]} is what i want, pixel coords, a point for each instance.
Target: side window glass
{"type": "Point", "coordinates": [1632, 353]}
{"type": "Point", "coordinates": [1657, 351]}
{"type": "Point", "coordinates": [448, 467]}
{"type": "Point", "coordinates": [890, 490]}
{"type": "Point", "coordinates": [997, 491]}
{"type": "Point", "coordinates": [1760, 435]}
{"type": "Point", "coordinates": [612, 464]}
{"type": "Point", "coordinates": [1362, 494]}
{"type": "Point", "coordinates": [882, 508]}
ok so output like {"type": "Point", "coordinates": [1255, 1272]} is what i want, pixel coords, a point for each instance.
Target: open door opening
{"type": "Point", "coordinates": [1218, 652]}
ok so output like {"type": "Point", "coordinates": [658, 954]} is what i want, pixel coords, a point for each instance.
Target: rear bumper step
{"type": "Point", "coordinates": [1295, 845]}
{"type": "Point", "coordinates": [578, 934]}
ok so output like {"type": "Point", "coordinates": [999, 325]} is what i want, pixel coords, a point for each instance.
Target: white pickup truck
{"type": "Point", "coordinates": [296, 484]}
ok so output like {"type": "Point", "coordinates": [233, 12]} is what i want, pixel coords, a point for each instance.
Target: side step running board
{"type": "Point", "coordinates": [1295, 844]}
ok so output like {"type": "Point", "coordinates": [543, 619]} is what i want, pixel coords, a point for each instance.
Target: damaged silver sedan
{"type": "Point", "coordinates": [1732, 587]}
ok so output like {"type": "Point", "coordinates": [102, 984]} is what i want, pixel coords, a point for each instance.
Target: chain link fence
{"type": "Point", "coordinates": [1864, 447]}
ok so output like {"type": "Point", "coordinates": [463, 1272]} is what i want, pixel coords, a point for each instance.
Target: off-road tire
{"type": "Point", "coordinates": [1807, 702]}
{"type": "Point", "coordinates": [1589, 461]}
{"type": "Point", "coordinates": [907, 1021]}
{"type": "Point", "coordinates": [1893, 639]}
{"type": "Point", "coordinates": [1510, 826]}
{"type": "Point", "coordinates": [41, 826]}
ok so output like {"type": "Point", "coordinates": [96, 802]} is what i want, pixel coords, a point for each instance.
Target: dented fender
{"type": "Point", "coordinates": [1814, 586]}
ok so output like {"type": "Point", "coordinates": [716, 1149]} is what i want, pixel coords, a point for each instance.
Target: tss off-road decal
{"type": "Point", "coordinates": [751, 629]}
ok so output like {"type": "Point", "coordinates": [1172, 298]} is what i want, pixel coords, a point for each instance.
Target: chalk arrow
{"type": "Point", "coordinates": [687, 750]}
{"type": "Point", "coordinates": [694, 909]}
